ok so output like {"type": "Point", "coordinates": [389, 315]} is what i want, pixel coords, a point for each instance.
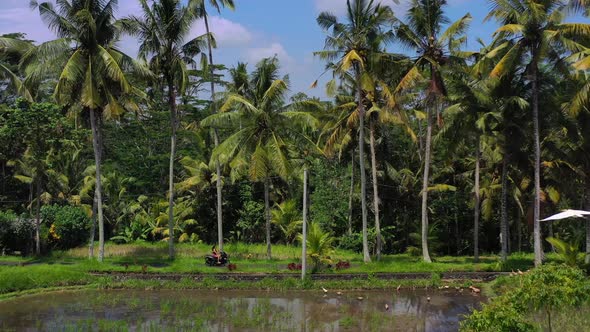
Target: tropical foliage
{"type": "Point", "coordinates": [468, 145]}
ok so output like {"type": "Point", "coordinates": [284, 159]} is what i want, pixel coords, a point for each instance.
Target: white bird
{"type": "Point", "coordinates": [386, 306]}
{"type": "Point", "coordinates": [325, 290]}
{"type": "Point", "coordinates": [567, 214]}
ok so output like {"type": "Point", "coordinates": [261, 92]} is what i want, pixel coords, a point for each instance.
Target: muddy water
{"type": "Point", "coordinates": [161, 310]}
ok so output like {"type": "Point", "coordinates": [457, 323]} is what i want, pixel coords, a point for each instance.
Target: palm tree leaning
{"type": "Point", "coordinates": [163, 30]}
{"type": "Point", "coordinates": [90, 67]}
{"type": "Point", "coordinates": [350, 45]}
{"type": "Point", "coordinates": [202, 12]}
{"type": "Point", "coordinates": [534, 33]}
{"type": "Point", "coordinates": [423, 33]}
{"type": "Point", "coordinates": [265, 130]}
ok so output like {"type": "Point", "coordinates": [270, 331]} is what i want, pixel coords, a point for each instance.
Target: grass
{"type": "Point", "coordinates": [70, 268]}
{"type": "Point", "coordinates": [252, 258]}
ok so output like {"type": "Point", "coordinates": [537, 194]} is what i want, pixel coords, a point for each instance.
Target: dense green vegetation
{"type": "Point", "coordinates": [533, 301]}
{"type": "Point", "coordinates": [467, 149]}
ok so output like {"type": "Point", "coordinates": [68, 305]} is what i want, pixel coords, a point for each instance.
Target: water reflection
{"type": "Point", "coordinates": [238, 311]}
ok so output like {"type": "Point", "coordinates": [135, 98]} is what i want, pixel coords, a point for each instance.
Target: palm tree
{"type": "Point", "coordinates": [578, 107]}
{"type": "Point", "coordinates": [163, 30]}
{"type": "Point", "coordinates": [265, 130]}
{"type": "Point", "coordinates": [91, 68]}
{"type": "Point", "coordinates": [423, 33]}
{"type": "Point", "coordinates": [350, 45]}
{"type": "Point", "coordinates": [202, 12]}
{"type": "Point", "coordinates": [13, 48]}
{"type": "Point", "coordinates": [534, 33]}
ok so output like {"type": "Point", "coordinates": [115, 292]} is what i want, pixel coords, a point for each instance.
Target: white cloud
{"type": "Point", "coordinates": [256, 54]}
{"type": "Point", "coordinates": [226, 32]}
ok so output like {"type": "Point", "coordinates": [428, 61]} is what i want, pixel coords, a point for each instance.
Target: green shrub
{"type": "Point", "coordinates": [413, 251]}
{"type": "Point", "coordinates": [549, 290]}
{"type": "Point", "coordinates": [68, 225]}
{"type": "Point", "coordinates": [7, 218]}
{"type": "Point", "coordinates": [16, 234]}
{"type": "Point", "coordinates": [497, 316]}
{"type": "Point", "coordinates": [353, 242]}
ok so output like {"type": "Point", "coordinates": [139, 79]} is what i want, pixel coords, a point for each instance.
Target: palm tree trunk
{"type": "Point", "coordinates": [173, 124]}
{"type": "Point", "coordinates": [375, 188]}
{"type": "Point", "coordinates": [38, 217]}
{"type": "Point", "coordinates": [477, 201]}
{"type": "Point", "coordinates": [537, 204]}
{"type": "Point", "coordinates": [98, 190]}
{"type": "Point", "coordinates": [587, 207]}
{"type": "Point", "coordinates": [504, 210]}
{"type": "Point", "coordinates": [304, 230]}
{"type": "Point", "coordinates": [351, 193]}
{"type": "Point", "coordinates": [219, 185]}
{"type": "Point", "coordinates": [94, 200]}
{"type": "Point", "coordinates": [425, 180]}
{"type": "Point", "coordinates": [361, 109]}
{"type": "Point", "coordinates": [92, 228]}
{"type": "Point", "coordinates": [519, 231]}
{"type": "Point", "coordinates": [267, 216]}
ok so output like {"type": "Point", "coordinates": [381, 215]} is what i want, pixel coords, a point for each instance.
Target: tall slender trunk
{"type": "Point", "coordinates": [537, 204]}
{"type": "Point", "coordinates": [92, 227]}
{"type": "Point", "coordinates": [173, 124]}
{"type": "Point", "coordinates": [38, 217]}
{"type": "Point", "coordinates": [361, 110]}
{"type": "Point", "coordinates": [3, 177]}
{"type": "Point", "coordinates": [504, 210]}
{"type": "Point", "coordinates": [304, 230]}
{"type": "Point", "coordinates": [587, 208]}
{"type": "Point", "coordinates": [267, 216]}
{"type": "Point", "coordinates": [477, 201]}
{"type": "Point", "coordinates": [351, 193]}
{"type": "Point", "coordinates": [98, 190]}
{"type": "Point", "coordinates": [375, 188]}
{"type": "Point", "coordinates": [425, 180]}
{"type": "Point", "coordinates": [420, 141]}
{"type": "Point", "coordinates": [519, 230]}
{"type": "Point", "coordinates": [219, 184]}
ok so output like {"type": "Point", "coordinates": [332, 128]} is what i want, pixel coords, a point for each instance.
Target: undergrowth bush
{"type": "Point", "coordinates": [529, 301]}
{"type": "Point", "coordinates": [68, 225]}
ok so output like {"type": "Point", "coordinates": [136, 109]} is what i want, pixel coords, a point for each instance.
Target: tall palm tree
{"type": "Point", "coordinates": [265, 130]}
{"type": "Point", "coordinates": [163, 30]}
{"type": "Point", "coordinates": [89, 66]}
{"type": "Point", "coordinates": [579, 108]}
{"type": "Point", "coordinates": [534, 33]}
{"type": "Point", "coordinates": [202, 12]}
{"type": "Point", "coordinates": [436, 48]}
{"type": "Point", "coordinates": [349, 45]}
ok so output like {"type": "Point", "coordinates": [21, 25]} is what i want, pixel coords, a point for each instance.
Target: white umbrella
{"type": "Point", "coordinates": [568, 214]}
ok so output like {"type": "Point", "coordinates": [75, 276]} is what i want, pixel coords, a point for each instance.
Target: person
{"type": "Point", "coordinates": [216, 254]}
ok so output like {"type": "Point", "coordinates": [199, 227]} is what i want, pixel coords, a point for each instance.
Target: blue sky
{"type": "Point", "coordinates": [260, 28]}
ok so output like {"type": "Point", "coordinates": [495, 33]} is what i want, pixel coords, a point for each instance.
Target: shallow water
{"type": "Point", "coordinates": [190, 310]}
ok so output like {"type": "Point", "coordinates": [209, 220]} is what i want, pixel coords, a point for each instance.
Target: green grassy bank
{"type": "Point", "coordinates": [71, 268]}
